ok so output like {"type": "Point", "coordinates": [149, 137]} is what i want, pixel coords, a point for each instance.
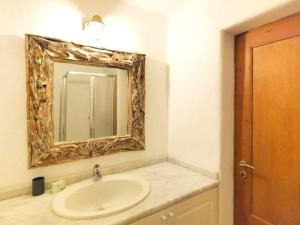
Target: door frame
{"type": "Point", "coordinates": [287, 27]}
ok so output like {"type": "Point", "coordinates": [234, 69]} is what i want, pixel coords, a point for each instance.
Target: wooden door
{"type": "Point", "coordinates": [267, 124]}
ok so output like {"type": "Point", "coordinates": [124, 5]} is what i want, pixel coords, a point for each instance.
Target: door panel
{"type": "Point", "coordinates": [276, 132]}
{"type": "Point", "coordinates": [200, 210]}
{"type": "Point", "coordinates": [200, 215]}
{"type": "Point", "coordinates": [267, 124]}
{"type": "Point", "coordinates": [155, 219]}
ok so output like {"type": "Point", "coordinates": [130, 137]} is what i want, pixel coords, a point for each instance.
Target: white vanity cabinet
{"type": "Point", "coordinates": [199, 210]}
{"type": "Point", "coordinates": [156, 219]}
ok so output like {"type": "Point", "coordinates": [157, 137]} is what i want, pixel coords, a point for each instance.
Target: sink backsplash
{"type": "Point", "coordinates": [10, 192]}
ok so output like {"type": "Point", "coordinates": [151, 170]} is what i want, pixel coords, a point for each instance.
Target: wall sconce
{"type": "Point", "coordinates": [94, 27]}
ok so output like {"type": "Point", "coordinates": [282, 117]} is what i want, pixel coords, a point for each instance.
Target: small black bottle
{"type": "Point", "coordinates": [38, 186]}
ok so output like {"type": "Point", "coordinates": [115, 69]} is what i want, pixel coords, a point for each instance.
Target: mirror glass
{"type": "Point", "coordinates": [89, 102]}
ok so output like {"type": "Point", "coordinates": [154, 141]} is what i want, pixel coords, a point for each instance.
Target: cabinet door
{"type": "Point", "coordinates": [199, 210]}
{"type": "Point", "coordinates": [155, 219]}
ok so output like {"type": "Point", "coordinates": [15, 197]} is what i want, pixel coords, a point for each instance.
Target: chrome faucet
{"type": "Point", "coordinates": [97, 173]}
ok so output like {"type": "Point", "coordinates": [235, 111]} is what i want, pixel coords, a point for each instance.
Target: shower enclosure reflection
{"type": "Point", "coordinates": [89, 102]}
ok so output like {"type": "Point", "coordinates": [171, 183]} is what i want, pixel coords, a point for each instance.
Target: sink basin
{"type": "Point", "coordinates": [94, 199]}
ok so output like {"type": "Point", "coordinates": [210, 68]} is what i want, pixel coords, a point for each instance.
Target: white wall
{"type": "Point", "coordinates": [127, 28]}
{"type": "Point", "coordinates": [200, 56]}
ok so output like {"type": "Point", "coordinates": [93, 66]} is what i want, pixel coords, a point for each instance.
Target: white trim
{"type": "Point", "coordinates": [195, 168]}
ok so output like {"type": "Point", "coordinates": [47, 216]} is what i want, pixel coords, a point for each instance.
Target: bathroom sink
{"type": "Point", "coordinates": [94, 199]}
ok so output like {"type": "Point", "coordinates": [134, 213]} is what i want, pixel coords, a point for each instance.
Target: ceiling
{"type": "Point", "coordinates": [157, 6]}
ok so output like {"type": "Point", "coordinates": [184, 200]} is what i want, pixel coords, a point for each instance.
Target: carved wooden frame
{"type": "Point", "coordinates": [41, 53]}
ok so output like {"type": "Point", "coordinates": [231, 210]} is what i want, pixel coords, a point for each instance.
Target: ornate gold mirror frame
{"type": "Point", "coordinates": [41, 53]}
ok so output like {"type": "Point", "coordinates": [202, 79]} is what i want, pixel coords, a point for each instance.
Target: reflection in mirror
{"type": "Point", "coordinates": [89, 102]}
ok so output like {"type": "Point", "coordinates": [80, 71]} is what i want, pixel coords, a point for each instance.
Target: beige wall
{"type": "Point", "coordinates": [200, 56]}
{"type": "Point", "coordinates": [127, 28]}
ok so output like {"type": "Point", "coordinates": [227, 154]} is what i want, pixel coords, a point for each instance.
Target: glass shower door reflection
{"type": "Point", "coordinates": [105, 112]}
{"type": "Point", "coordinates": [76, 106]}
{"type": "Point", "coordinates": [88, 106]}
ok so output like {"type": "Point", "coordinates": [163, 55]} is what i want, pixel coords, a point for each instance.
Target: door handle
{"type": "Point", "coordinates": [244, 164]}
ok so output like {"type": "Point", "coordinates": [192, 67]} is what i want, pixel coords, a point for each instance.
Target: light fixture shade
{"type": "Point", "coordinates": [97, 18]}
{"type": "Point", "coordinates": [94, 28]}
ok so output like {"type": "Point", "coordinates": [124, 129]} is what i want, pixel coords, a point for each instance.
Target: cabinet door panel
{"type": "Point", "coordinates": [155, 219]}
{"type": "Point", "coordinates": [200, 210]}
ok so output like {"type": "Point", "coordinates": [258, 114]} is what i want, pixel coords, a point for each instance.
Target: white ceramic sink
{"type": "Point", "coordinates": [93, 199]}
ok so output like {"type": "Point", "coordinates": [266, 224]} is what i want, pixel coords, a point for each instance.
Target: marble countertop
{"type": "Point", "coordinates": [170, 184]}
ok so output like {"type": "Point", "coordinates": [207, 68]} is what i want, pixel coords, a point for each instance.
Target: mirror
{"type": "Point", "coordinates": [82, 101]}
{"type": "Point", "coordinates": [89, 102]}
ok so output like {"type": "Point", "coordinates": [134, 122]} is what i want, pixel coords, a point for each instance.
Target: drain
{"type": "Point", "coordinates": [99, 208]}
